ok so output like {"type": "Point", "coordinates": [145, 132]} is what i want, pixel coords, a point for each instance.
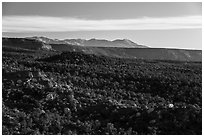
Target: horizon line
{"type": "Point", "coordinates": [168, 47]}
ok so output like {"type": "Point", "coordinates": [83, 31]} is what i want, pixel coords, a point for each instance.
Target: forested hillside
{"type": "Point", "coordinates": [77, 93]}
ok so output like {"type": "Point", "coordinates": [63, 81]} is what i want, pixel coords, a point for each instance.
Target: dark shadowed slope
{"type": "Point", "coordinates": [24, 43]}
{"type": "Point", "coordinates": [153, 53]}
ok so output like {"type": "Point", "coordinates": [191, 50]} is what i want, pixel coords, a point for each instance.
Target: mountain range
{"type": "Point", "coordinates": [121, 48]}
{"type": "Point", "coordinates": [125, 43]}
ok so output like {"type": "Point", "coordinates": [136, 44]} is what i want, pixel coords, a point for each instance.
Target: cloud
{"type": "Point", "coordinates": [63, 24]}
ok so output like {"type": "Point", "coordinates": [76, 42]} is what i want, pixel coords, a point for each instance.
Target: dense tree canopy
{"type": "Point", "coordinates": [76, 93]}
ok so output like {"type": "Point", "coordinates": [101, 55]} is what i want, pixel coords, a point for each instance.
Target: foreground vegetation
{"type": "Point", "coordinates": [75, 93]}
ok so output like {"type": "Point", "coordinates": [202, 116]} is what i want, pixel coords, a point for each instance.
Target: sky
{"type": "Point", "coordinates": [154, 24]}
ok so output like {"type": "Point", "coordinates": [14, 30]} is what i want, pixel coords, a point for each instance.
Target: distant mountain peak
{"type": "Point", "coordinates": [125, 41]}
{"type": "Point", "coordinates": [94, 39]}
{"type": "Point", "coordinates": [93, 42]}
{"type": "Point", "coordinates": [128, 41]}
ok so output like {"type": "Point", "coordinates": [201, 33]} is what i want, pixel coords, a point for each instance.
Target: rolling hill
{"type": "Point", "coordinates": [117, 48]}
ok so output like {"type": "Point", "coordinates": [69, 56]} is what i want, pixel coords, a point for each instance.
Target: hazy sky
{"type": "Point", "coordinates": [152, 24]}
